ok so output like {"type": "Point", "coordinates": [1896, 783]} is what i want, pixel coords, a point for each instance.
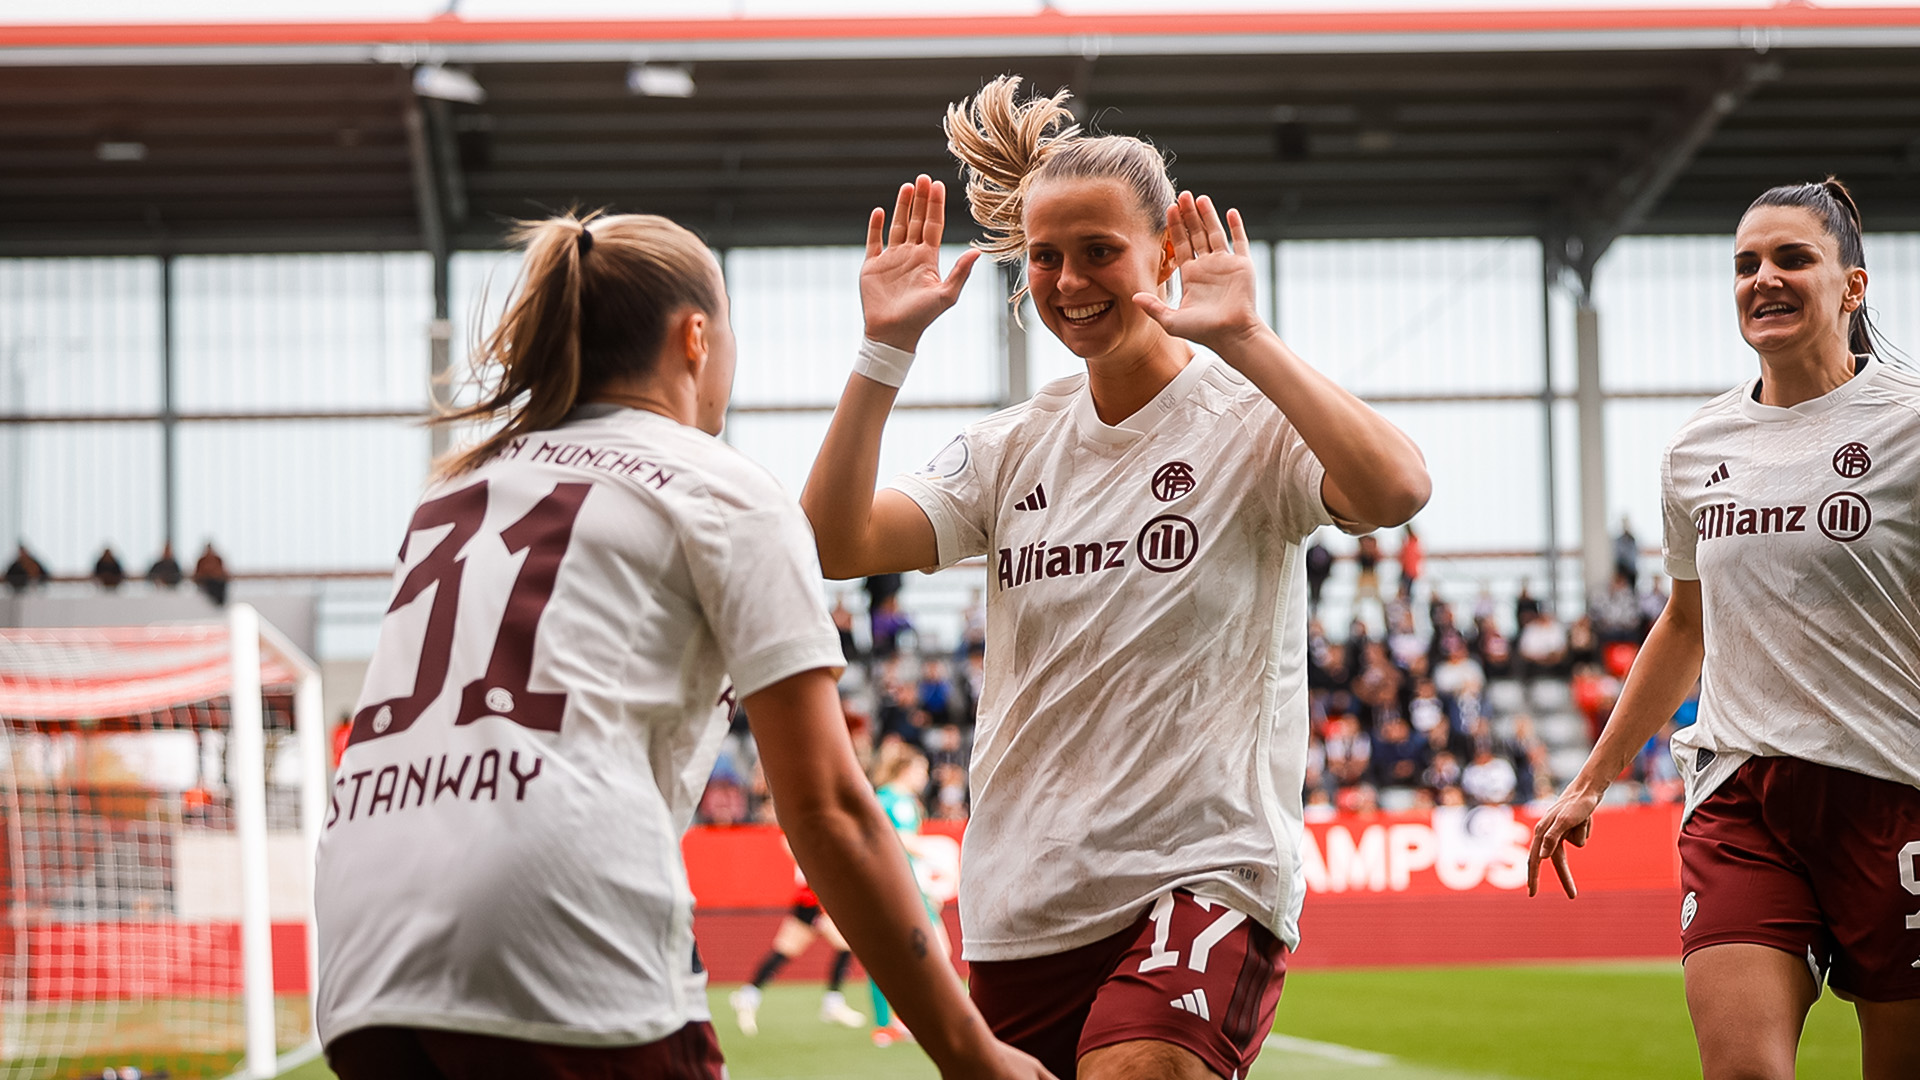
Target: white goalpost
{"type": "Point", "coordinates": [162, 790]}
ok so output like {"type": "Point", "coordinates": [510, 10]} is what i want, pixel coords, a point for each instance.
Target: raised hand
{"type": "Point", "coordinates": [1569, 821]}
{"type": "Point", "coordinates": [1216, 277]}
{"type": "Point", "coordinates": [901, 290]}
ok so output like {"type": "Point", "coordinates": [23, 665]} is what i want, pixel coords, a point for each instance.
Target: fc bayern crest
{"type": "Point", "coordinates": [1172, 480]}
{"type": "Point", "coordinates": [1851, 460]}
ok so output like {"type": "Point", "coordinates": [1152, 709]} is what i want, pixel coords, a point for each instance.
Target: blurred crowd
{"type": "Point", "coordinates": [894, 691]}
{"type": "Point", "coordinates": [1420, 703]}
{"type": "Point", "coordinates": [210, 575]}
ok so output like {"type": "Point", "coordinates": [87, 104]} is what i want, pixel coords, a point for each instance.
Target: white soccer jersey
{"type": "Point", "coordinates": [1801, 526]}
{"type": "Point", "coordinates": [1144, 721]}
{"type": "Point", "coordinates": [502, 852]}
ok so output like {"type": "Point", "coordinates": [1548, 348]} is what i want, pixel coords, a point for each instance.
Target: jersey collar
{"type": "Point", "coordinates": [1840, 395]}
{"type": "Point", "coordinates": [1143, 421]}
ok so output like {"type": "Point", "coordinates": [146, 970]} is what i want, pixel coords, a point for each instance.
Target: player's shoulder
{"type": "Point", "coordinates": [1016, 426]}
{"type": "Point", "coordinates": [1711, 419]}
{"type": "Point", "coordinates": [654, 458]}
{"type": "Point", "coordinates": [1896, 384]}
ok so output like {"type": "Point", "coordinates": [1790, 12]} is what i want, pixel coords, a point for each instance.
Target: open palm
{"type": "Point", "coordinates": [901, 289]}
{"type": "Point", "coordinates": [1217, 301]}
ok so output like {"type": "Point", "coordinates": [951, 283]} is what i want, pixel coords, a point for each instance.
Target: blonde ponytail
{"type": "Point", "coordinates": [591, 304]}
{"type": "Point", "coordinates": [1005, 146]}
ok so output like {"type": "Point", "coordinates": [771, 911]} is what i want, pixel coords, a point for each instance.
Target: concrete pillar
{"type": "Point", "coordinates": [1596, 542]}
{"type": "Point", "coordinates": [1014, 382]}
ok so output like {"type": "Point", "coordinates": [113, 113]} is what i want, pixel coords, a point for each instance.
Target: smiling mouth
{"type": "Point", "coordinates": [1776, 308]}
{"type": "Point", "coordinates": [1085, 313]}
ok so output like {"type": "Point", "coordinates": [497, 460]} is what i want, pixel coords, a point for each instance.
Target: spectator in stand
{"type": "Point", "coordinates": [1319, 569]}
{"type": "Point", "coordinates": [1626, 555]}
{"type": "Point", "coordinates": [949, 802]}
{"type": "Point", "coordinates": [1489, 780]}
{"type": "Point", "coordinates": [1331, 672]}
{"type": "Point", "coordinates": [946, 746]}
{"type": "Point", "coordinates": [881, 587]}
{"type": "Point", "coordinates": [1378, 684]}
{"type": "Point", "coordinates": [1524, 604]}
{"type": "Point", "coordinates": [210, 575]}
{"type": "Point", "coordinates": [1451, 795]}
{"type": "Point", "coordinates": [107, 570]}
{"type": "Point", "coordinates": [1442, 772]}
{"type": "Point", "coordinates": [24, 570]}
{"type": "Point", "coordinates": [1366, 560]}
{"type": "Point", "coordinates": [1349, 751]}
{"type": "Point", "coordinates": [888, 624]}
{"type": "Point", "coordinates": [1359, 799]}
{"type": "Point", "coordinates": [165, 570]}
{"type": "Point", "coordinates": [973, 625]}
{"type": "Point", "coordinates": [1616, 612]}
{"type": "Point", "coordinates": [1398, 753]}
{"type": "Point", "coordinates": [1426, 709]}
{"type": "Point", "coordinates": [1460, 674]}
{"type": "Point", "coordinates": [1583, 646]}
{"type": "Point", "coordinates": [1541, 649]}
{"type": "Point", "coordinates": [1652, 603]}
{"type": "Point", "coordinates": [1492, 648]}
{"type": "Point", "coordinates": [843, 625]}
{"type": "Point", "coordinates": [1404, 643]}
{"type": "Point", "coordinates": [1528, 751]}
{"type": "Point", "coordinates": [971, 684]}
{"type": "Point", "coordinates": [934, 692]}
{"type": "Point", "coordinates": [1319, 805]}
{"type": "Point", "coordinates": [1412, 558]}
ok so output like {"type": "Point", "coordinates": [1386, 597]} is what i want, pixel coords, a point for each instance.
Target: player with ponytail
{"type": "Point", "coordinates": [581, 597]}
{"type": "Point", "coordinates": [1130, 886]}
{"type": "Point", "coordinates": [1793, 539]}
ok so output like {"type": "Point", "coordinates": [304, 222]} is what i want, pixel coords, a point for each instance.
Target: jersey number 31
{"type": "Point", "coordinates": [543, 533]}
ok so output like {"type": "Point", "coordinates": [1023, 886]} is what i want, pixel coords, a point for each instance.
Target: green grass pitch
{"type": "Point", "coordinates": [1595, 1021]}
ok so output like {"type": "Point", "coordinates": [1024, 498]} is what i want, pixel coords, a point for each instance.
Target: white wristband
{"type": "Point", "coordinates": [882, 363]}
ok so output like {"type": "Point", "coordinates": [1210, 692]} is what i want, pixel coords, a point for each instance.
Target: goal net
{"type": "Point", "coordinates": [161, 791]}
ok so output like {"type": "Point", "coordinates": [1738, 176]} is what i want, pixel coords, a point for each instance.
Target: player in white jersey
{"type": "Point", "coordinates": [1793, 538]}
{"type": "Point", "coordinates": [1130, 882]}
{"type": "Point", "coordinates": [580, 599]}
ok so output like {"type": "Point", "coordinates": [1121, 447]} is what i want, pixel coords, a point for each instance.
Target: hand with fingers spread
{"type": "Point", "coordinates": [1568, 821]}
{"type": "Point", "coordinates": [1217, 303]}
{"type": "Point", "coordinates": [901, 290]}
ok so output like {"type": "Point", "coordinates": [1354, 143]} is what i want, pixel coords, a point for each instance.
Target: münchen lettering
{"type": "Point", "coordinates": [1031, 562]}
{"type": "Point", "coordinates": [408, 786]}
{"type": "Point", "coordinates": [599, 458]}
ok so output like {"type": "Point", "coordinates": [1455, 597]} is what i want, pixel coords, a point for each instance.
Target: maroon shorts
{"type": "Point", "coordinates": [1189, 972]}
{"type": "Point", "coordinates": [1814, 860]}
{"type": "Point", "coordinates": [403, 1053]}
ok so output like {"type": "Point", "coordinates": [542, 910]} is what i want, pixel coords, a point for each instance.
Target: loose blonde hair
{"type": "Point", "coordinates": [589, 305]}
{"type": "Point", "coordinates": [1006, 146]}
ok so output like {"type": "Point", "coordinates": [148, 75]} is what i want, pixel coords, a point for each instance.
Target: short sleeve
{"type": "Point", "coordinates": [1678, 532]}
{"type": "Point", "coordinates": [1300, 507]}
{"type": "Point", "coordinates": [955, 491]}
{"type": "Point", "coordinates": [758, 581]}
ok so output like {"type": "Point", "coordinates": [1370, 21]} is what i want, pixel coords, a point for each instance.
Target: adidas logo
{"type": "Point", "coordinates": [1719, 474]}
{"type": "Point", "coordinates": [1035, 500]}
{"type": "Point", "coordinates": [1195, 1003]}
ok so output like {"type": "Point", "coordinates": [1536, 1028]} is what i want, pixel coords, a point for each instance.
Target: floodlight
{"type": "Point", "coordinates": [660, 80]}
{"type": "Point", "coordinates": [120, 151]}
{"type": "Point", "coordinates": [446, 84]}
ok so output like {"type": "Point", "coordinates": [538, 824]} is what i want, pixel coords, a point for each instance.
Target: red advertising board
{"type": "Point", "coordinates": [1431, 887]}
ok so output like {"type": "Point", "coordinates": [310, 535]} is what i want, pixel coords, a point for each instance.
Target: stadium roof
{"type": "Point", "coordinates": [1574, 124]}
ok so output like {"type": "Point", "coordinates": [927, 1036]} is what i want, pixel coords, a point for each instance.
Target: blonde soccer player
{"type": "Point", "coordinates": [1129, 889]}
{"type": "Point", "coordinates": [580, 598]}
{"type": "Point", "coordinates": [1794, 547]}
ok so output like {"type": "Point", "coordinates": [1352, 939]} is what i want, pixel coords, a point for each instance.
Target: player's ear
{"type": "Point", "coordinates": [691, 330]}
{"type": "Point", "coordinates": [1168, 260]}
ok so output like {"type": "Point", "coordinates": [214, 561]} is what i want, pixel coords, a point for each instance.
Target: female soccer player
{"type": "Point", "coordinates": [898, 779]}
{"type": "Point", "coordinates": [500, 890]}
{"type": "Point", "coordinates": [1129, 887]}
{"type": "Point", "coordinates": [1795, 555]}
